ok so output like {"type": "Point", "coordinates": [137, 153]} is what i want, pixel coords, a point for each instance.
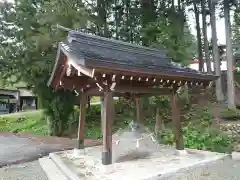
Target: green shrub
{"type": "Point", "coordinates": [200, 135]}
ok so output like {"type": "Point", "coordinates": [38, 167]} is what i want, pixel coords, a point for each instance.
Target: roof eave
{"type": "Point", "coordinates": [107, 67]}
{"type": "Point", "coordinates": [49, 83]}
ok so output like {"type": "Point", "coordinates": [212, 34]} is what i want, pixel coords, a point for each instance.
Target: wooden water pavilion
{"type": "Point", "coordinates": [97, 66]}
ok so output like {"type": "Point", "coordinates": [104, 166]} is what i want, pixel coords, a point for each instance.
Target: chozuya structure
{"type": "Point", "coordinates": [97, 66]}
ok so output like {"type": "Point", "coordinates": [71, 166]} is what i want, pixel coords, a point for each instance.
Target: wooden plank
{"type": "Point", "coordinates": [81, 126]}
{"type": "Point", "coordinates": [176, 122]}
{"type": "Point", "coordinates": [59, 72]}
{"type": "Point", "coordinates": [107, 128]}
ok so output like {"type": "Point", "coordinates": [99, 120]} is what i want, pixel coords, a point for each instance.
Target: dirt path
{"type": "Point", "coordinates": [19, 148]}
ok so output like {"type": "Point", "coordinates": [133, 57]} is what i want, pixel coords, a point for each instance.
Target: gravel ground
{"type": "Point", "coordinates": [219, 170]}
{"type": "Point", "coordinates": [26, 171]}
{"type": "Point", "coordinates": [21, 148]}
{"type": "Point", "coordinates": [226, 169]}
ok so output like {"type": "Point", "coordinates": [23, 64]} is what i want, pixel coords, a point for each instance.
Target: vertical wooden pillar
{"type": "Point", "coordinates": [159, 125]}
{"type": "Point", "coordinates": [8, 101]}
{"type": "Point", "coordinates": [107, 128]}
{"type": "Point", "coordinates": [102, 110]}
{"type": "Point", "coordinates": [176, 122]}
{"type": "Point", "coordinates": [82, 116]}
{"type": "Point", "coordinates": [138, 109]}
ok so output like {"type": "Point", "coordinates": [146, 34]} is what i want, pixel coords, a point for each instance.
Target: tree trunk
{"type": "Point", "coordinates": [50, 126]}
{"type": "Point", "coordinates": [216, 58]}
{"type": "Point", "coordinates": [205, 41]}
{"type": "Point", "coordinates": [148, 15]}
{"type": "Point", "coordinates": [229, 57]}
{"type": "Point", "coordinates": [199, 39]}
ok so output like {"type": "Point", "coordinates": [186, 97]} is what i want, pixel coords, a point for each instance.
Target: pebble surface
{"type": "Point", "coordinates": [26, 171]}
{"type": "Point", "coordinates": [226, 169]}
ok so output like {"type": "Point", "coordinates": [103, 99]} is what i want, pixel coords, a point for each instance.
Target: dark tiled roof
{"type": "Point", "coordinates": [125, 55]}
{"type": "Point", "coordinates": [118, 50]}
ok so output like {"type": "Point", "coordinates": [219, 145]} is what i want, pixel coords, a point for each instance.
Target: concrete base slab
{"type": "Point", "coordinates": [78, 152]}
{"type": "Point", "coordinates": [236, 156]}
{"type": "Point", "coordinates": [51, 169]}
{"type": "Point", "coordinates": [181, 152]}
{"type": "Point", "coordinates": [155, 166]}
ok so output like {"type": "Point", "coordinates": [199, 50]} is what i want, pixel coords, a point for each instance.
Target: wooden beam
{"type": "Point", "coordinates": [59, 72]}
{"type": "Point", "coordinates": [82, 116]}
{"type": "Point", "coordinates": [107, 128]}
{"type": "Point", "coordinates": [136, 90]}
{"type": "Point", "coordinates": [176, 122]}
{"type": "Point", "coordinates": [75, 82]}
{"type": "Point", "coordinates": [142, 90]}
{"type": "Point", "coordinates": [87, 71]}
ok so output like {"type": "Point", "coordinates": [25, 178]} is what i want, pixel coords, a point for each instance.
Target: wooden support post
{"type": "Point", "coordinates": [82, 116]}
{"type": "Point", "coordinates": [159, 125]}
{"type": "Point", "coordinates": [107, 128]}
{"type": "Point", "coordinates": [138, 109]}
{"type": "Point", "coordinates": [102, 110]}
{"type": "Point", "coordinates": [176, 122]}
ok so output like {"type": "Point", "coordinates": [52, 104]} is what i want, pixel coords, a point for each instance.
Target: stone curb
{"type": "Point", "coordinates": [51, 169]}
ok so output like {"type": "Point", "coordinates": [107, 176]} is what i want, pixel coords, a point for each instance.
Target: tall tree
{"type": "Point", "coordinates": [199, 36]}
{"type": "Point", "coordinates": [216, 57]}
{"type": "Point", "coordinates": [229, 57]}
{"type": "Point", "coordinates": [148, 15]}
{"type": "Point", "coordinates": [30, 49]}
{"type": "Point", "coordinates": [236, 26]}
{"type": "Point", "coordinates": [205, 38]}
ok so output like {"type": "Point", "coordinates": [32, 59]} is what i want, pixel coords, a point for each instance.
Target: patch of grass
{"type": "Point", "coordinates": [30, 122]}
{"type": "Point", "coordinates": [229, 114]}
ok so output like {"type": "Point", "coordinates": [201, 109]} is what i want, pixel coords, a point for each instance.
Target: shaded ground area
{"type": "Point", "coordinates": [19, 148]}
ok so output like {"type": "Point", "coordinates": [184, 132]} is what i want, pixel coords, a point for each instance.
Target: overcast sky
{"type": "Point", "coordinates": [220, 28]}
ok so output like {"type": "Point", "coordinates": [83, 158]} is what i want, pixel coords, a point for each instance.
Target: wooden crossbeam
{"type": "Point", "coordinates": [130, 89]}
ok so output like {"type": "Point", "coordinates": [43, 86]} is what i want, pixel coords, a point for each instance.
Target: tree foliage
{"type": "Point", "coordinates": [29, 48]}
{"type": "Point", "coordinates": [29, 41]}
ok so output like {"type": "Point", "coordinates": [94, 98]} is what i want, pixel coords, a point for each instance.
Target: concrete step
{"type": "Point", "coordinates": [64, 168]}
{"type": "Point", "coordinates": [52, 171]}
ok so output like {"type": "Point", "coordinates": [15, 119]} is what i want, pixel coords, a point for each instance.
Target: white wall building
{"type": "Point", "coordinates": [195, 65]}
